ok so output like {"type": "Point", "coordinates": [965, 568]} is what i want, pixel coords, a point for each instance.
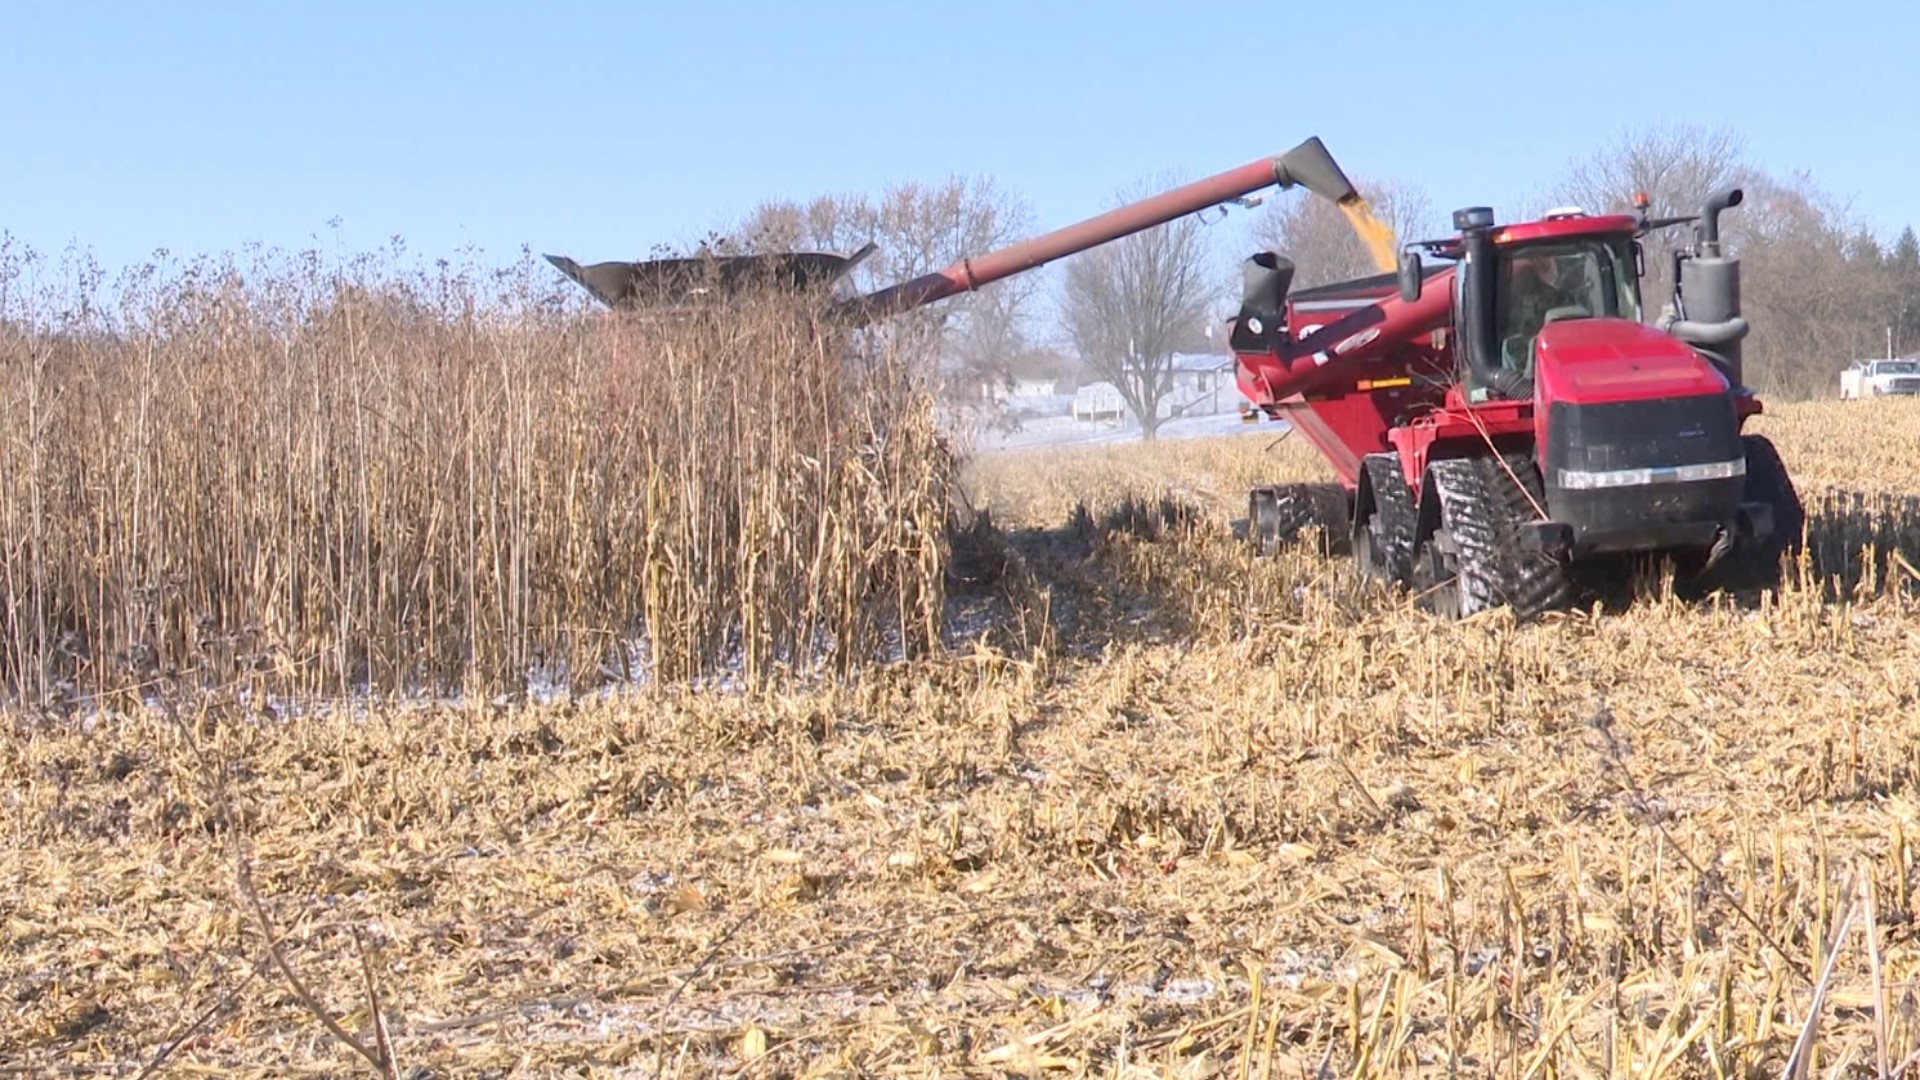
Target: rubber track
{"type": "Point", "coordinates": [1395, 518]}
{"type": "Point", "coordinates": [1484, 509]}
{"type": "Point", "coordinates": [1767, 481]}
{"type": "Point", "coordinates": [1297, 506]}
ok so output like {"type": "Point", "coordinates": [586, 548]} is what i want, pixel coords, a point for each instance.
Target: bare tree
{"type": "Point", "coordinates": [1675, 165]}
{"type": "Point", "coordinates": [919, 228]}
{"type": "Point", "coordinates": [1815, 292]}
{"type": "Point", "coordinates": [1131, 305]}
{"type": "Point", "coordinates": [1816, 289]}
{"type": "Point", "coordinates": [1322, 242]}
{"type": "Point", "coordinates": [993, 337]}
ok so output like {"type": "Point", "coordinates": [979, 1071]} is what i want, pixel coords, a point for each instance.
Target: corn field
{"type": "Point", "coordinates": [1165, 810]}
{"type": "Point", "coordinates": [313, 479]}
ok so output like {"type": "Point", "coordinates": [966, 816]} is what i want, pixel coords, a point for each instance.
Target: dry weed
{"type": "Point", "coordinates": [1042, 487]}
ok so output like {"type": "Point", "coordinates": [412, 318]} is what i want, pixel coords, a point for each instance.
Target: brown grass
{"type": "Point", "coordinates": [1238, 818]}
{"type": "Point", "coordinates": [1043, 487]}
{"type": "Point", "coordinates": [311, 479]}
{"type": "Point", "coordinates": [1853, 463]}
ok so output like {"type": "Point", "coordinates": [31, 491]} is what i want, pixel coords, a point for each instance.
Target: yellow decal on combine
{"type": "Point", "coordinates": [1383, 384]}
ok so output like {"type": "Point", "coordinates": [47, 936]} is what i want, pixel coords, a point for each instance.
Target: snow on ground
{"type": "Point", "coordinates": [1066, 431]}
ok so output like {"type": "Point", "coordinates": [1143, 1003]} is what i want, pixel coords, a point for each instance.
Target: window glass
{"type": "Point", "coordinates": [1550, 280]}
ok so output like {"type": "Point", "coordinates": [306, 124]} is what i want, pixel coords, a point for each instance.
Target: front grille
{"type": "Point", "coordinates": [1641, 434]}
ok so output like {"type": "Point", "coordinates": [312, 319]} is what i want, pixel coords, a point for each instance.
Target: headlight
{"type": "Point", "coordinates": [1583, 480]}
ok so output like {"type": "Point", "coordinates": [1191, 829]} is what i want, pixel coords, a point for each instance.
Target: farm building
{"type": "Point", "coordinates": [1098, 402]}
{"type": "Point", "coordinates": [1202, 384]}
{"type": "Point", "coordinates": [1198, 384]}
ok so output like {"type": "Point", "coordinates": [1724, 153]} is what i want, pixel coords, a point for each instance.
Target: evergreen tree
{"type": "Point", "coordinates": [1904, 265]}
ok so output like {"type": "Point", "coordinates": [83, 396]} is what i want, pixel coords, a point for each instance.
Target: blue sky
{"type": "Point", "coordinates": [598, 130]}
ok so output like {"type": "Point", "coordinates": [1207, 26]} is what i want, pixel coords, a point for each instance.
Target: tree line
{"type": "Point", "coordinates": [1819, 287]}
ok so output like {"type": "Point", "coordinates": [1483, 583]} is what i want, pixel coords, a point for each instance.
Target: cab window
{"type": "Point", "coordinates": [1550, 280]}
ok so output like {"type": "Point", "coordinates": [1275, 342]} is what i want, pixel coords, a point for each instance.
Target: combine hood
{"type": "Point", "coordinates": [1595, 361]}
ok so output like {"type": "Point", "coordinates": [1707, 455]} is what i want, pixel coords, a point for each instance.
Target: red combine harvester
{"type": "Point", "coordinates": [1493, 423]}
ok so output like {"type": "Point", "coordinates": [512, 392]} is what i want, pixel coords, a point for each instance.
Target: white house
{"type": "Point", "coordinates": [1200, 384]}
{"type": "Point", "coordinates": [1031, 388]}
{"type": "Point", "coordinates": [1099, 401]}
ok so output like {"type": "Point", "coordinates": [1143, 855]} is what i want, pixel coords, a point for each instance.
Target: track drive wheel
{"type": "Point", "coordinates": [1757, 566]}
{"type": "Point", "coordinates": [1277, 514]}
{"type": "Point", "coordinates": [1475, 559]}
{"type": "Point", "coordinates": [1383, 542]}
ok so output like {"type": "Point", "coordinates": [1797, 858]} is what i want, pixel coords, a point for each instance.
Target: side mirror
{"type": "Point", "coordinates": [1639, 260]}
{"type": "Point", "coordinates": [1410, 276]}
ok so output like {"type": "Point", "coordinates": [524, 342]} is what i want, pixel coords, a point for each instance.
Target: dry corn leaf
{"type": "Point", "coordinates": [1381, 948]}
{"type": "Point", "coordinates": [982, 882]}
{"type": "Point", "coordinates": [683, 898]}
{"type": "Point", "coordinates": [801, 887]}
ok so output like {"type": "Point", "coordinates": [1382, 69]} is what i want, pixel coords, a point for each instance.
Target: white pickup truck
{"type": "Point", "coordinates": [1872, 378]}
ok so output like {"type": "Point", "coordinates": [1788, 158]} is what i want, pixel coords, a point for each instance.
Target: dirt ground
{"type": "Point", "coordinates": [1178, 812]}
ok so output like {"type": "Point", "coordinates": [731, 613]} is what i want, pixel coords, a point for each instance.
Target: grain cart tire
{"type": "Point", "coordinates": [1387, 519]}
{"type": "Point", "coordinates": [1475, 558]}
{"type": "Point", "coordinates": [1277, 514]}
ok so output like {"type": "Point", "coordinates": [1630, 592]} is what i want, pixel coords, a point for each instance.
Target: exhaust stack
{"type": "Point", "coordinates": [1706, 292]}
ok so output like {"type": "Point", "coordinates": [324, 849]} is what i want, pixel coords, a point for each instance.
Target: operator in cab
{"type": "Point", "coordinates": [1538, 284]}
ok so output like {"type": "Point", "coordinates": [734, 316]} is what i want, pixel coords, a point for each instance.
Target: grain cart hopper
{"type": "Point", "coordinates": [1491, 422]}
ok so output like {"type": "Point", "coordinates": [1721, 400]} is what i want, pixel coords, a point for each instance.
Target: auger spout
{"type": "Point", "coordinates": [1307, 165]}
{"type": "Point", "coordinates": [672, 281]}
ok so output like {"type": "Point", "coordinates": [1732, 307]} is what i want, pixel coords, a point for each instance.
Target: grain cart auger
{"type": "Point", "coordinates": [668, 283]}
{"type": "Point", "coordinates": [1497, 421]}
